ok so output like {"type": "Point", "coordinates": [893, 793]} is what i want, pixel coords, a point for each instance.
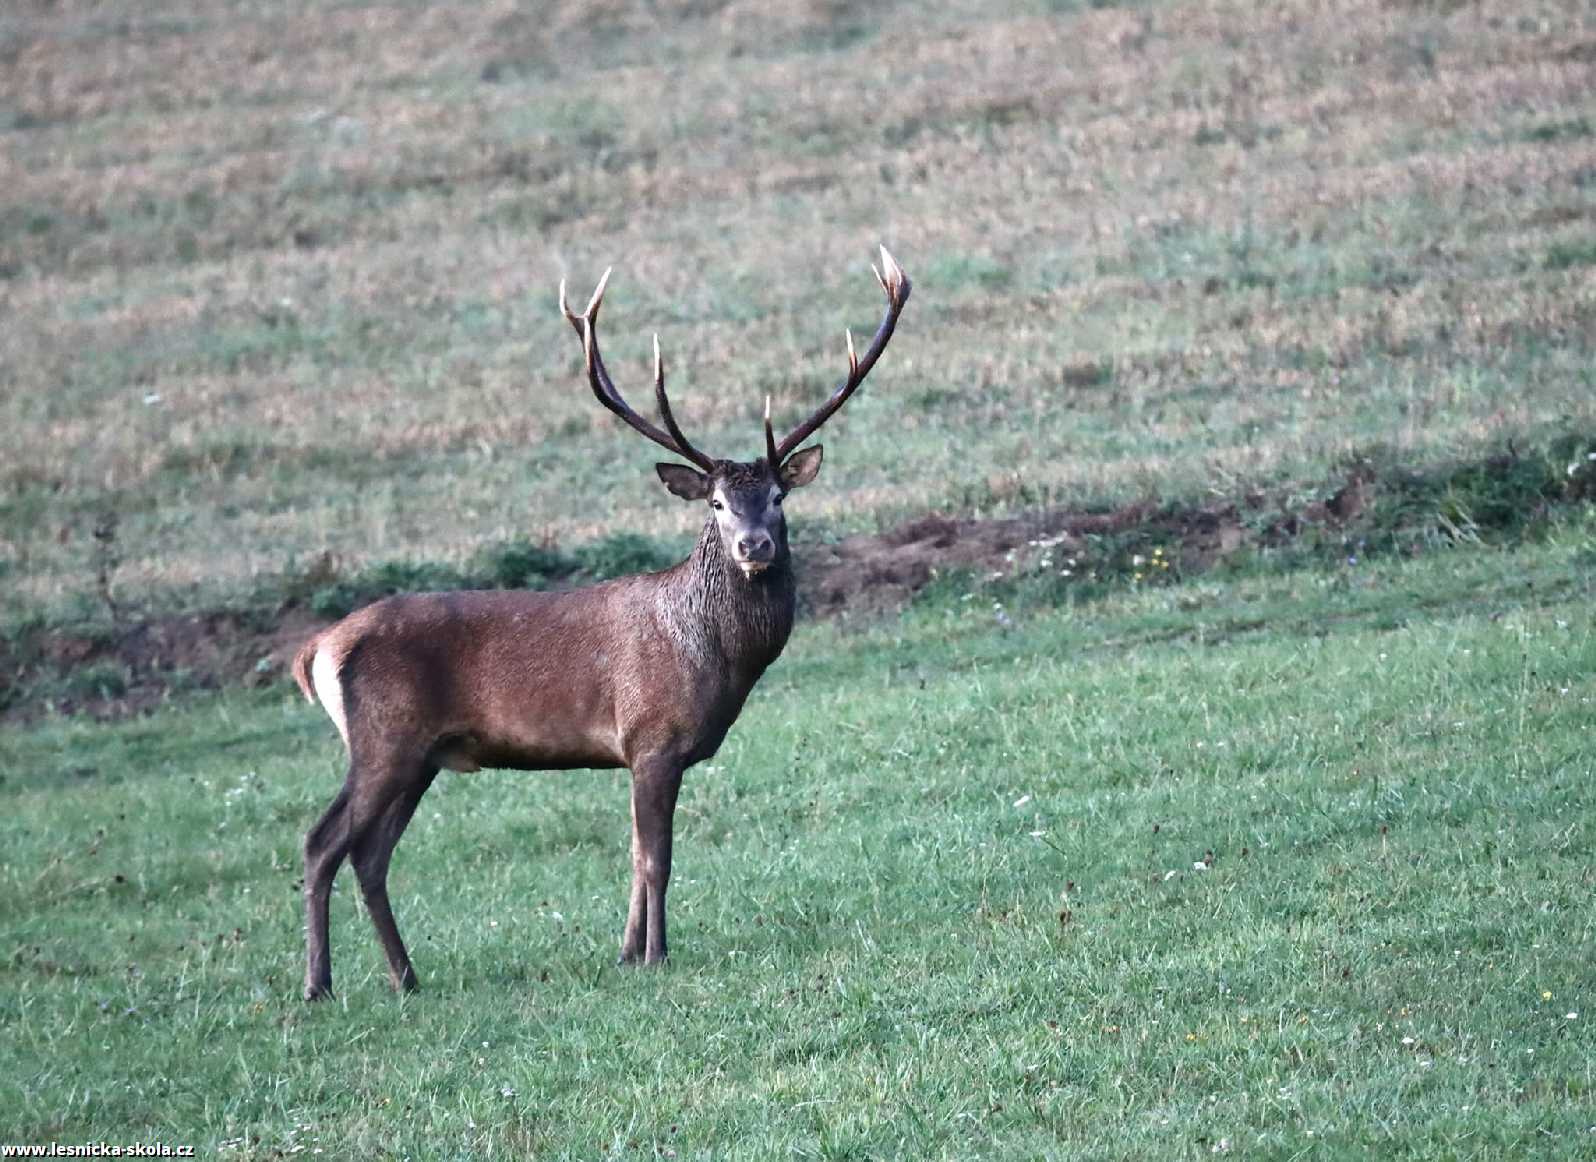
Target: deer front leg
{"type": "Point", "coordinates": [655, 782]}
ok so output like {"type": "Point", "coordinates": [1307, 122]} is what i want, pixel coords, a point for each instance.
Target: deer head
{"type": "Point", "coordinates": [745, 498]}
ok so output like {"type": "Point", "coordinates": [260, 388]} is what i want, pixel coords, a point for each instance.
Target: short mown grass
{"type": "Point", "coordinates": [1270, 865]}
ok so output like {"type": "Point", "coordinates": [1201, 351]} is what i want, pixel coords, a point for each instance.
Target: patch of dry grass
{"type": "Point", "coordinates": [279, 279]}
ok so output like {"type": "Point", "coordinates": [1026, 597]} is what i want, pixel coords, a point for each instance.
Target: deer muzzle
{"type": "Point", "coordinates": [755, 553]}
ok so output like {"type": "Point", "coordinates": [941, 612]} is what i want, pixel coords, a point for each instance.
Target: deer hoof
{"type": "Point", "coordinates": [318, 992]}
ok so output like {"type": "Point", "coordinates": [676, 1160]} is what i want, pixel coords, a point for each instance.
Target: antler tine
{"type": "Point", "coordinates": [771, 457]}
{"type": "Point", "coordinates": [598, 377]}
{"type": "Point", "coordinates": [671, 426]}
{"type": "Point", "coordinates": [897, 286]}
{"type": "Point", "coordinates": [593, 303]}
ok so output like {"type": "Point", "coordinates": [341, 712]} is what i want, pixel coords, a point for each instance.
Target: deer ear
{"type": "Point", "coordinates": [801, 467]}
{"type": "Point", "coordinates": [687, 483]}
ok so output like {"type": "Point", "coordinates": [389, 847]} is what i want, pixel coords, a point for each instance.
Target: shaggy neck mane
{"type": "Point", "coordinates": [744, 620]}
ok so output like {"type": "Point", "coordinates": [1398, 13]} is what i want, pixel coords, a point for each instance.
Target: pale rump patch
{"type": "Point", "coordinates": [329, 690]}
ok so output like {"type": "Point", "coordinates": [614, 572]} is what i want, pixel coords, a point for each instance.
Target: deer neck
{"type": "Point", "coordinates": [728, 620]}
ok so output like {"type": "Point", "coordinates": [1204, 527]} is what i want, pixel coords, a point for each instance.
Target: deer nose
{"type": "Point", "coordinates": [758, 547]}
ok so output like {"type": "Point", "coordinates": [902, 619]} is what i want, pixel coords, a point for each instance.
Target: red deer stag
{"type": "Point", "coordinates": [647, 672]}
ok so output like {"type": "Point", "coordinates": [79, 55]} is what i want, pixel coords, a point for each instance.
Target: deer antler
{"type": "Point", "coordinates": [896, 284]}
{"type": "Point", "coordinates": [672, 439]}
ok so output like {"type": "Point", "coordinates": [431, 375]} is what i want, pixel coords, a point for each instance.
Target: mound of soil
{"type": "Point", "coordinates": [875, 573]}
{"type": "Point", "coordinates": [145, 663]}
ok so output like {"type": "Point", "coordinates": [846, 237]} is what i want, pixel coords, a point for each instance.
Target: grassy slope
{"type": "Point", "coordinates": [1156, 249]}
{"type": "Point", "coordinates": [1390, 767]}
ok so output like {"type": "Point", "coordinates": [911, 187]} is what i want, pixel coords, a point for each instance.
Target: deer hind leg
{"type": "Point", "coordinates": [364, 821]}
{"type": "Point", "coordinates": [370, 854]}
{"type": "Point", "coordinates": [655, 783]}
{"type": "Point", "coordinates": [326, 844]}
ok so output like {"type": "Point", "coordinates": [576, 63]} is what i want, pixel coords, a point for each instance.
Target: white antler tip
{"type": "Point", "coordinates": [894, 279]}
{"type": "Point", "coordinates": [598, 291]}
{"type": "Point", "coordinates": [767, 409]}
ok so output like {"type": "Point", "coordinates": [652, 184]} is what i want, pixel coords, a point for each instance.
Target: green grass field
{"type": "Point", "coordinates": [1288, 858]}
{"type": "Point", "coordinates": [937, 897]}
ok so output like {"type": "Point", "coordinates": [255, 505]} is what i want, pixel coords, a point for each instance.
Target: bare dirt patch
{"type": "Point", "coordinates": [127, 670]}
{"type": "Point", "coordinates": [876, 573]}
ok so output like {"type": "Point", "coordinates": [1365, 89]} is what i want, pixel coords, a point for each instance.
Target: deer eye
{"type": "Point", "coordinates": [716, 504]}
{"type": "Point", "coordinates": [777, 499]}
